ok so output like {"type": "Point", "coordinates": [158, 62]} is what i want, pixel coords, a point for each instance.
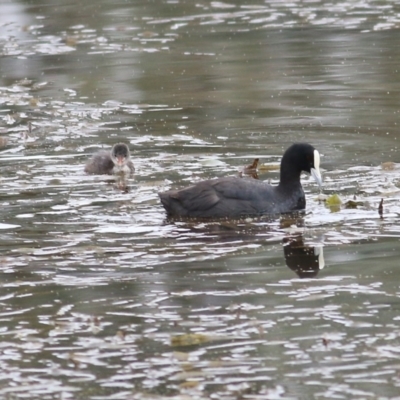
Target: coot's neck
{"type": "Point", "coordinates": [290, 175]}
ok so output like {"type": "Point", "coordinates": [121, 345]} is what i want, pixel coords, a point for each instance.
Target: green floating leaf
{"type": "Point", "coordinates": [333, 202]}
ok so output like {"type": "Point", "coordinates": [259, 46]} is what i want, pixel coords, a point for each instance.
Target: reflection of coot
{"type": "Point", "coordinates": [306, 261]}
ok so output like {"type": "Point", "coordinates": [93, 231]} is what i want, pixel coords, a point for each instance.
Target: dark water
{"type": "Point", "coordinates": [102, 297]}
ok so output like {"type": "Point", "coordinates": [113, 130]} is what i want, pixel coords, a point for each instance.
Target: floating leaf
{"type": "Point", "coordinates": [251, 167]}
{"type": "Point", "coordinates": [388, 166]}
{"type": "Point", "coordinates": [353, 204]}
{"type": "Point", "coordinates": [333, 202]}
{"type": "Point", "coordinates": [190, 384]}
{"type": "Point", "coordinates": [268, 167]}
{"type": "Point", "coordinates": [3, 142]}
{"type": "Point", "coordinates": [189, 339]}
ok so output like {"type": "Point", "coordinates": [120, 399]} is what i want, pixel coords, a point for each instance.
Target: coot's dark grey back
{"type": "Point", "coordinates": [231, 196]}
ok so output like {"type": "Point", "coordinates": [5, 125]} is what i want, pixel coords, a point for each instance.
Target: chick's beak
{"type": "Point", "coordinates": [120, 160]}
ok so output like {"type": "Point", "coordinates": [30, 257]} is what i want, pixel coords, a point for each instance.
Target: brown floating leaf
{"type": "Point", "coordinates": [249, 174]}
{"type": "Point", "coordinates": [120, 335]}
{"type": "Point", "coordinates": [325, 341]}
{"type": "Point", "coordinates": [71, 41]}
{"type": "Point", "coordinates": [190, 384]}
{"type": "Point", "coordinates": [353, 204]}
{"type": "Point", "coordinates": [268, 167]}
{"type": "Point", "coordinates": [252, 174]}
{"type": "Point", "coordinates": [388, 166]}
{"type": "Point", "coordinates": [380, 208]}
{"type": "Point", "coordinates": [33, 101]}
{"type": "Point", "coordinates": [3, 142]}
{"type": "Point", "coordinates": [250, 170]}
{"type": "Point", "coordinates": [189, 339]}
{"type": "Point", "coordinates": [253, 166]}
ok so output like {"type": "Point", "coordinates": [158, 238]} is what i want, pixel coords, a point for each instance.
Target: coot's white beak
{"type": "Point", "coordinates": [315, 172]}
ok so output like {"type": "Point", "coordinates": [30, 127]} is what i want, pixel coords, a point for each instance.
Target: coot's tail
{"type": "Point", "coordinates": [171, 204]}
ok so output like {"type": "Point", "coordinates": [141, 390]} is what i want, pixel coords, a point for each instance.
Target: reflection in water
{"type": "Point", "coordinates": [121, 183]}
{"type": "Point", "coordinates": [305, 260]}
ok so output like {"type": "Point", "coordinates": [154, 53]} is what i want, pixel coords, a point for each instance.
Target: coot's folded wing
{"type": "Point", "coordinates": [238, 189]}
{"type": "Point", "coordinates": [217, 198]}
{"type": "Point", "coordinates": [200, 196]}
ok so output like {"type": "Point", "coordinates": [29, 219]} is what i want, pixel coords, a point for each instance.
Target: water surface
{"type": "Point", "coordinates": [102, 296]}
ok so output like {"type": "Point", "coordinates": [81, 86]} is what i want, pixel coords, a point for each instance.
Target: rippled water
{"type": "Point", "coordinates": [102, 296]}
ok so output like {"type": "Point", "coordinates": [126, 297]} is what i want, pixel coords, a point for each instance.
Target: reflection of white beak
{"type": "Point", "coordinates": [315, 172]}
{"type": "Point", "coordinates": [319, 251]}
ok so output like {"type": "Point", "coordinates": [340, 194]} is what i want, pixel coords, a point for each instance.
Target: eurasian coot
{"type": "Point", "coordinates": [232, 197]}
{"type": "Point", "coordinates": [117, 162]}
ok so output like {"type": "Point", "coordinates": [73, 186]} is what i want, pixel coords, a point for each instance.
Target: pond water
{"type": "Point", "coordinates": [103, 297]}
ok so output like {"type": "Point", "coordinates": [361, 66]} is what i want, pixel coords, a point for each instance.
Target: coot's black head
{"type": "Point", "coordinates": [120, 154]}
{"type": "Point", "coordinates": [300, 157]}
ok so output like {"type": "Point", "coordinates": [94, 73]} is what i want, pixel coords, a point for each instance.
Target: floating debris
{"type": "Point", "coordinates": [189, 384]}
{"type": "Point", "coordinates": [3, 142]}
{"type": "Point", "coordinates": [248, 169]}
{"type": "Point", "coordinates": [268, 167]}
{"type": "Point", "coordinates": [388, 166]}
{"type": "Point", "coordinates": [353, 204]}
{"type": "Point", "coordinates": [380, 208]}
{"type": "Point", "coordinates": [333, 203]}
{"type": "Point", "coordinates": [190, 339]}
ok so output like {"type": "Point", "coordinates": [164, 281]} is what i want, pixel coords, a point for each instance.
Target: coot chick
{"type": "Point", "coordinates": [232, 197]}
{"type": "Point", "coordinates": [114, 162]}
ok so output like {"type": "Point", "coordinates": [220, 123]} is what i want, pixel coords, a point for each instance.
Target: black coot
{"type": "Point", "coordinates": [116, 161]}
{"type": "Point", "coordinates": [233, 197]}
